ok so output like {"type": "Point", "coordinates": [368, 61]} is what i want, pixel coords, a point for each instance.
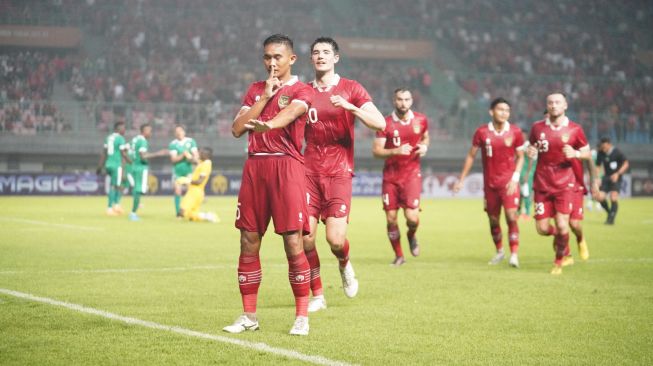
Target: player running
{"type": "Point", "coordinates": [330, 161]}
{"type": "Point", "coordinates": [190, 205]}
{"type": "Point", "coordinates": [113, 153]}
{"type": "Point", "coordinates": [614, 164]}
{"type": "Point", "coordinates": [556, 141]}
{"type": "Point", "coordinates": [183, 153]}
{"type": "Point", "coordinates": [140, 166]}
{"type": "Point", "coordinates": [273, 180]}
{"type": "Point", "coordinates": [403, 142]}
{"type": "Point", "coordinates": [502, 152]}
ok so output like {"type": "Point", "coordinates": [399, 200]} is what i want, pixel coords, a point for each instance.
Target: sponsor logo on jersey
{"type": "Point", "coordinates": [283, 101]}
{"type": "Point", "coordinates": [542, 136]}
{"type": "Point", "coordinates": [565, 137]}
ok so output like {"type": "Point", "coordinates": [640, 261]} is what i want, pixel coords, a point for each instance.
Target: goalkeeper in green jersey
{"type": "Point", "coordinates": [183, 153]}
{"type": "Point", "coordinates": [111, 159]}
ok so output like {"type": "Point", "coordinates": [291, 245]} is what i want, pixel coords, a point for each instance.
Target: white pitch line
{"type": "Point", "coordinates": [257, 346]}
{"type": "Point", "coordinates": [45, 223]}
{"type": "Point", "coordinates": [133, 270]}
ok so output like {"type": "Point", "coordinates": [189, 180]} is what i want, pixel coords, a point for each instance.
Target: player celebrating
{"type": "Point", "coordinates": [330, 161]}
{"type": "Point", "coordinates": [403, 142]}
{"type": "Point", "coordinates": [556, 140]}
{"type": "Point", "coordinates": [273, 180]}
{"type": "Point", "coordinates": [183, 152]}
{"type": "Point", "coordinates": [190, 205]}
{"type": "Point", "coordinates": [140, 146]}
{"type": "Point", "coordinates": [614, 165]}
{"type": "Point", "coordinates": [113, 153]}
{"type": "Point", "coordinates": [502, 151]}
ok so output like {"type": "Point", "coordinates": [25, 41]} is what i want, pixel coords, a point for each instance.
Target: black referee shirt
{"type": "Point", "coordinates": [612, 161]}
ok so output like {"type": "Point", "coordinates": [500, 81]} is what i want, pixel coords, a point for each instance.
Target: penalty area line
{"type": "Point", "coordinates": [257, 346]}
{"type": "Point", "coordinates": [51, 224]}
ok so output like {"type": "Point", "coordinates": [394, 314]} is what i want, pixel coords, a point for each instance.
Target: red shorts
{"type": "Point", "coordinates": [404, 194]}
{"type": "Point", "coordinates": [497, 197]}
{"type": "Point", "coordinates": [272, 187]}
{"type": "Point", "coordinates": [328, 196]}
{"type": "Point", "coordinates": [548, 204]}
{"type": "Point", "coordinates": [577, 206]}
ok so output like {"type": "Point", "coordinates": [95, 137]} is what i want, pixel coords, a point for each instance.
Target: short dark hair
{"type": "Point", "coordinates": [144, 126]}
{"type": "Point", "coordinates": [208, 150]}
{"type": "Point", "coordinates": [401, 90]}
{"type": "Point", "coordinates": [278, 39]}
{"type": "Point", "coordinates": [329, 40]}
{"type": "Point", "coordinates": [117, 125]}
{"type": "Point", "coordinates": [179, 125]}
{"type": "Point", "coordinates": [605, 140]}
{"type": "Point", "coordinates": [498, 101]}
{"type": "Point", "coordinates": [558, 92]}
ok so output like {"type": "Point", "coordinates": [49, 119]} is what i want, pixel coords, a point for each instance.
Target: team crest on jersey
{"type": "Point", "coordinates": [284, 100]}
{"type": "Point", "coordinates": [565, 137]}
{"type": "Point", "coordinates": [508, 141]}
{"type": "Point", "coordinates": [416, 127]}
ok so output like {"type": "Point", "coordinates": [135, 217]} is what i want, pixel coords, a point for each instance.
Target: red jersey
{"type": "Point", "coordinates": [281, 141]}
{"type": "Point", "coordinates": [398, 132]}
{"type": "Point", "coordinates": [330, 130]}
{"type": "Point", "coordinates": [554, 172]}
{"type": "Point", "coordinates": [498, 152]}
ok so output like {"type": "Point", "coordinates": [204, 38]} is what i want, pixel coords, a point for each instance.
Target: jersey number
{"type": "Point", "coordinates": [488, 150]}
{"type": "Point", "coordinates": [543, 146]}
{"type": "Point", "coordinates": [238, 211]}
{"type": "Point", "coordinates": [386, 199]}
{"type": "Point", "coordinates": [312, 115]}
{"type": "Point", "coordinates": [539, 208]}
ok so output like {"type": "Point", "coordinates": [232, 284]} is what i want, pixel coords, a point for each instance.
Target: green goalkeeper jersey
{"type": "Point", "coordinates": [114, 144]}
{"type": "Point", "coordinates": [183, 167]}
{"type": "Point", "coordinates": [139, 144]}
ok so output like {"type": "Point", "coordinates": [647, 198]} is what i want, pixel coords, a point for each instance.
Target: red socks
{"type": "Point", "coordinates": [342, 254]}
{"type": "Point", "coordinates": [561, 241]}
{"type": "Point", "coordinates": [497, 236]}
{"type": "Point", "coordinates": [513, 236]}
{"type": "Point", "coordinates": [299, 274]}
{"type": "Point", "coordinates": [395, 239]}
{"type": "Point", "coordinates": [314, 263]}
{"type": "Point", "coordinates": [249, 280]}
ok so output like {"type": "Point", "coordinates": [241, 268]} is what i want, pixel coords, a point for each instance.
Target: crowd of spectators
{"type": "Point", "coordinates": [173, 61]}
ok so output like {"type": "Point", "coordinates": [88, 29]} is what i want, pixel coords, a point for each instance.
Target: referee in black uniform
{"type": "Point", "coordinates": [614, 165]}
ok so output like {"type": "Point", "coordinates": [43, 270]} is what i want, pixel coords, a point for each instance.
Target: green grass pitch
{"type": "Point", "coordinates": [445, 307]}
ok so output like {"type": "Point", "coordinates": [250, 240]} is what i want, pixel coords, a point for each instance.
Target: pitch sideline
{"type": "Point", "coordinates": [257, 346]}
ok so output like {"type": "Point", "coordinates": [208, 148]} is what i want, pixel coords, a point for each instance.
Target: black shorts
{"type": "Point", "coordinates": [608, 185]}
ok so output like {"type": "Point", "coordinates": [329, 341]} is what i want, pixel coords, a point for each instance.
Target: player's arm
{"type": "Point", "coordinates": [519, 164]}
{"type": "Point", "coordinates": [621, 171]}
{"type": "Point", "coordinates": [125, 156]}
{"type": "Point", "coordinates": [583, 153]}
{"type": "Point", "coordinates": [246, 114]}
{"type": "Point", "coordinates": [367, 113]}
{"type": "Point", "coordinates": [199, 180]}
{"type": "Point", "coordinates": [145, 155]}
{"type": "Point", "coordinates": [294, 110]}
{"type": "Point", "coordinates": [379, 150]}
{"type": "Point", "coordinates": [467, 166]}
{"type": "Point", "coordinates": [103, 159]}
{"type": "Point", "coordinates": [423, 144]}
{"type": "Point", "coordinates": [594, 181]}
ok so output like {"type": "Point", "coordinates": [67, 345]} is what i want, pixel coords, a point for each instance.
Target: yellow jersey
{"type": "Point", "coordinates": [204, 168]}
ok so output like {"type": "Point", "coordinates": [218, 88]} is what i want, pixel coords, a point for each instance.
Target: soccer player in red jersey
{"type": "Point", "coordinates": [403, 142]}
{"type": "Point", "coordinates": [556, 141]}
{"type": "Point", "coordinates": [576, 215]}
{"type": "Point", "coordinates": [273, 180]}
{"type": "Point", "coordinates": [502, 152]}
{"type": "Point", "coordinates": [330, 161]}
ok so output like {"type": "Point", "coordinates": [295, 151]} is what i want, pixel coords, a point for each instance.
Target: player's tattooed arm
{"type": "Point", "coordinates": [367, 113]}
{"type": "Point", "coordinates": [294, 110]}
{"type": "Point", "coordinates": [467, 166]}
{"type": "Point", "coordinates": [245, 115]}
{"type": "Point", "coordinates": [379, 150]}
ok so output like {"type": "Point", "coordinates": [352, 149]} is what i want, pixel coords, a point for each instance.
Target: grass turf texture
{"type": "Point", "coordinates": [445, 307]}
